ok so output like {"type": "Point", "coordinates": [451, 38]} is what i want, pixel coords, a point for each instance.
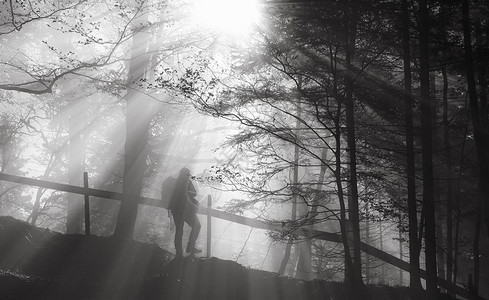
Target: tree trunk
{"type": "Point", "coordinates": [449, 184]}
{"type": "Point", "coordinates": [367, 241]}
{"type": "Point", "coordinates": [482, 43]}
{"type": "Point", "coordinates": [349, 275]}
{"type": "Point", "coordinates": [427, 154]}
{"type": "Point", "coordinates": [36, 208]}
{"type": "Point", "coordinates": [76, 167]}
{"type": "Point", "coordinates": [458, 212]}
{"type": "Point", "coordinates": [285, 258]}
{"type": "Point", "coordinates": [401, 252]}
{"type": "Point", "coordinates": [478, 222]}
{"type": "Point", "coordinates": [381, 244]}
{"type": "Point", "coordinates": [353, 209]}
{"type": "Point", "coordinates": [484, 124]}
{"type": "Point", "coordinates": [295, 182]}
{"type": "Point", "coordinates": [139, 113]}
{"type": "Point", "coordinates": [304, 264]}
{"type": "Point", "coordinates": [481, 136]}
{"type": "Point", "coordinates": [440, 252]}
{"type": "Point", "coordinates": [414, 274]}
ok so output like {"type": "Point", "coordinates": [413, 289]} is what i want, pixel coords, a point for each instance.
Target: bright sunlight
{"type": "Point", "coordinates": [227, 16]}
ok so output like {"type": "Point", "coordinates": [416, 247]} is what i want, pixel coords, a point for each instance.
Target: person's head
{"type": "Point", "coordinates": [185, 171]}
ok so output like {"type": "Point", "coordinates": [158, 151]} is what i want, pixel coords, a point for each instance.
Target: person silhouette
{"type": "Point", "coordinates": [183, 207]}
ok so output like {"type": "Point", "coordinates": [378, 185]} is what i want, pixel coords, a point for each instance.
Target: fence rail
{"type": "Point", "coordinates": [210, 212]}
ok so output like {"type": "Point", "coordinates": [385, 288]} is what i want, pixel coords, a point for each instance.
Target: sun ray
{"type": "Point", "coordinates": [226, 16]}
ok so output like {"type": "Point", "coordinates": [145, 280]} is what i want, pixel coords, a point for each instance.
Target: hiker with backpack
{"type": "Point", "coordinates": [183, 207]}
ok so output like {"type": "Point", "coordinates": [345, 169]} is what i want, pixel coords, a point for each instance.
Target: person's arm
{"type": "Point", "coordinates": [192, 193]}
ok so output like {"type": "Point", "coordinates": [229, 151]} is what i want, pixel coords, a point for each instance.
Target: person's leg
{"type": "Point", "coordinates": [194, 223]}
{"type": "Point", "coordinates": [178, 233]}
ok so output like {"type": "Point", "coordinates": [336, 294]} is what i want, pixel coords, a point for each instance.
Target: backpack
{"type": "Point", "coordinates": [167, 189]}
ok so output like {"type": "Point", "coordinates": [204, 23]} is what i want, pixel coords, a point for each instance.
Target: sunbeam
{"type": "Point", "coordinates": [226, 16]}
{"type": "Point", "coordinates": [169, 148]}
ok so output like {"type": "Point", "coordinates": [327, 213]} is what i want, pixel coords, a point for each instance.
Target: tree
{"type": "Point", "coordinates": [41, 72]}
{"type": "Point", "coordinates": [34, 76]}
{"type": "Point", "coordinates": [480, 134]}
{"type": "Point", "coordinates": [414, 274]}
{"type": "Point", "coordinates": [295, 183]}
{"type": "Point", "coordinates": [316, 56]}
{"type": "Point", "coordinates": [11, 161]}
{"type": "Point", "coordinates": [427, 142]}
{"type": "Point", "coordinates": [151, 61]}
{"type": "Point", "coordinates": [350, 66]}
{"type": "Point", "coordinates": [353, 209]}
{"type": "Point", "coordinates": [139, 114]}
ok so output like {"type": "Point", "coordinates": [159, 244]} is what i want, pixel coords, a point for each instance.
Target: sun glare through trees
{"type": "Point", "coordinates": [226, 16]}
{"type": "Point", "coordinates": [244, 149]}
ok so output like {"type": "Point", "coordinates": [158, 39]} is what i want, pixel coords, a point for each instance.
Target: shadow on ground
{"type": "Point", "coordinates": [41, 264]}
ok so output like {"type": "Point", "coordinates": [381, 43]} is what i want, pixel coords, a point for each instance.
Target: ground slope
{"type": "Point", "coordinates": [40, 264]}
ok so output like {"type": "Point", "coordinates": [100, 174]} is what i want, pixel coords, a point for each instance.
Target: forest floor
{"type": "Point", "coordinates": [40, 264]}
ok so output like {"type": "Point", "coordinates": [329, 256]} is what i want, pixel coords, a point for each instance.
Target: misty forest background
{"type": "Point", "coordinates": [369, 119]}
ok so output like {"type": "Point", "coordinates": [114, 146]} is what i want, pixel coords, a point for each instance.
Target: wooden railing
{"type": "Point", "coordinates": [210, 212]}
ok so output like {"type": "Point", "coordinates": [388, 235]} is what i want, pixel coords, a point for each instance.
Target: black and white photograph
{"type": "Point", "coordinates": [244, 149]}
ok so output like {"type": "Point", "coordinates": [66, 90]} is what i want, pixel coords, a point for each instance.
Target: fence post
{"type": "Point", "coordinates": [209, 225]}
{"type": "Point", "coordinates": [87, 204]}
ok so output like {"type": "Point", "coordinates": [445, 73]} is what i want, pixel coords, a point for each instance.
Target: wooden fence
{"type": "Point", "coordinates": [210, 212]}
